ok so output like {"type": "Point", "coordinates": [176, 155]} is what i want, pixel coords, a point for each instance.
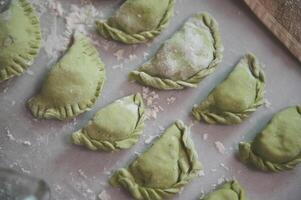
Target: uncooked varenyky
{"type": "Point", "coordinates": [236, 97]}
{"type": "Point", "coordinates": [137, 21]}
{"type": "Point", "coordinates": [73, 85]}
{"type": "Point", "coordinates": [191, 54]}
{"type": "Point", "coordinates": [278, 146]}
{"type": "Point", "coordinates": [116, 126]}
{"type": "Point", "coordinates": [163, 169]}
{"type": "Point", "coordinates": [230, 190]}
{"type": "Point", "coordinates": [20, 37]}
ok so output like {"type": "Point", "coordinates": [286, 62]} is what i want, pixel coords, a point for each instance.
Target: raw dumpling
{"type": "Point", "coordinates": [116, 126]}
{"type": "Point", "coordinates": [228, 191]}
{"type": "Point", "coordinates": [73, 85]}
{"type": "Point", "coordinates": [163, 169]}
{"type": "Point", "coordinates": [186, 58]}
{"type": "Point", "coordinates": [20, 37]}
{"type": "Point", "coordinates": [137, 21]}
{"type": "Point", "coordinates": [278, 146]}
{"type": "Point", "coordinates": [235, 98]}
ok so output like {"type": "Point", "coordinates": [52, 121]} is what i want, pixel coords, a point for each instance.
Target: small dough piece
{"type": "Point", "coordinates": [190, 55]}
{"type": "Point", "coordinates": [163, 169]}
{"type": "Point", "coordinates": [20, 37]}
{"type": "Point", "coordinates": [137, 21]}
{"type": "Point", "coordinates": [236, 97]}
{"type": "Point", "coordinates": [116, 126]}
{"type": "Point", "coordinates": [227, 191]}
{"type": "Point", "coordinates": [73, 85]}
{"type": "Point", "coordinates": [278, 146]}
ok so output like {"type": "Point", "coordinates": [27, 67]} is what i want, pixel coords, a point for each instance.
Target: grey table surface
{"type": "Point", "coordinates": [42, 148]}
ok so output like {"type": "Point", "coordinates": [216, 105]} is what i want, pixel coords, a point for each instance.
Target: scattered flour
{"type": "Point", "coordinates": [119, 54]}
{"type": "Point", "coordinates": [224, 166]}
{"type": "Point", "coordinates": [29, 72]}
{"type": "Point", "coordinates": [26, 143]}
{"type": "Point", "coordinates": [161, 128]}
{"type": "Point", "coordinates": [171, 100]}
{"type": "Point", "coordinates": [213, 170]}
{"type": "Point", "coordinates": [56, 7]}
{"type": "Point", "coordinates": [150, 138]}
{"type": "Point", "coordinates": [81, 18]}
{"type": "Point", "coordinates": [220, 147]}
{"type": "Point", "coordinates": [153, 107]}
{"type": "Point", "coordinates": [82, 173]}
{"type": "Point", "coordinates": [119, 66]}
{"type": "Point", "coordinates": [205, 136]}
{"type": "Point", "coordinates": [267, 103]}
{"type": "Point", "coordinates": [220, 180]}
{"type": "Point", "coordinates": [145, 55]}
{"type": "Point", "coordinates": [11, 137]}
{"type": "Point", "coordinates": [201, 173]}
{"type": "Point", "coordinates": [104, 196]}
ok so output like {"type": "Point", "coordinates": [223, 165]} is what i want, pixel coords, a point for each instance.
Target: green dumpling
{"type": "Point", "coordinates": [116, 126]}
{"type": "Point", "coordinates": [20, 37]}
{"type": "Point", "coordinates": [228, 191]}
{"type": "Point", "coordinates": [73, 84]}
{"type": "Point", "coordinates": [137, 21]}
{"type": "Point", "coordinates": [236, 97]}
{"type": "Point", "coordinates": [163, 169]}
{"type": "Point", "coordinates": [191, 54]}
{"type": "Point", "coordinates": [278, 146]}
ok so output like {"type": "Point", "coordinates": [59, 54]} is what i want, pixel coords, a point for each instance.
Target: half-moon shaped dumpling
{"type": "Point", "coordinates": [137, 21]}
{"type": "Point", "coordinates": [278, 146]}
{"type": "Point", "coordinates": [186, 58]}
{"type": "Point", "coordinates": [236, 97]}
{"type": "Point", "coordinates": [73, 84]}
{"type": "Point", "coordinates": [163, 169]}
{"type": "Point", "coordinates": [20, 37]}
{"type": "Point", "coordinates": [227, 191]}
{"type": "Point", "coordinates": [116, 126]}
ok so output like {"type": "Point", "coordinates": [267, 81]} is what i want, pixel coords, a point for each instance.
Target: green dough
{"type": "Point", "coordinates": [116, 126]}
{"type": "Point", "coordinates": [163, 169]}
{"type": "Point", "coordinates": [73, 85]}
{"type": "Point", "coordinates": [191, 54]}
{"type": "Point", "coordinates": [278, 146]}
{"type": "Point", "coordinates": [20, 38]}
{"type": "Point", "coordinates": [236, 97]}
{"type": "Point", "coordinates": [228, 191]}
{"type": "Point", "coordinates": [137, 21]}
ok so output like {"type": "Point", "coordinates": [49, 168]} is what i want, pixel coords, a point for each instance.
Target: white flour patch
{"type": "Point", "coordinates": [201, 173]}
{"type": "Point", "coordinates": [224, 166]}
{"type": "Point", "coordinates": [220, 147]}
{"type": "Point", "coordinates": [171, 100]}
{"type": "Point", "coordinates": [119, 54]}
{"type": "Point", "coordinates": [81, 18]}
{"type": "Point", "coordinates": [205, 136]}
{"type": "Point", "coordinates": [150, 138]}
{"type": "Point", "coordinates": [29, 72]}
{"type": "Point", "coordinates": [152, 104]}
{"type": "Point", "coordinates": [104, 196]}
{"type": "Point", "coordinates": [145, 55]}
{"type": "Point", "coordinates": [267, 103]}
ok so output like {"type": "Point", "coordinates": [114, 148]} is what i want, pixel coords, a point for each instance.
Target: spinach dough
{"type": "Point", "coordinates": [236, 97]}
{"type": "Point", "coordinates": [163, 169]}
{"type": "Point", "coordinates": [186, 58]}
{"type": "Point", "coordinates": [137, 21]}
{"type": "Point", "coordinates": [227, 191]}
{"type": "Point", "coordinates": [278, 146]}
{"type": "Point", "coordinates": [73, 84]}
{"type": "Point", "coordinates": [20, 37]}
{"type": "Point", "coordinates": [116, 126]}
